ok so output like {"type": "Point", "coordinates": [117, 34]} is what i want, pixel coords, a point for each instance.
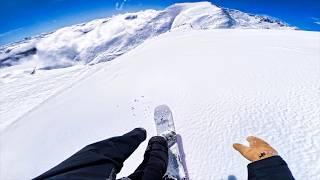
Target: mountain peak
{"type": "Point", "coordinates": [105, 39]}
{"type": "Point", "coordinates": [187, 5]}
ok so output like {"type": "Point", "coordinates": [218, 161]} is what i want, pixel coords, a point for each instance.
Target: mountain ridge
{"type": "Point", "coordinates": [105, 39]}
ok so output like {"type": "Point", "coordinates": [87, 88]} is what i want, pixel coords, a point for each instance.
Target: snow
{"type": "Point", "coordinates": [103, 40]}
{"type": "Point", "coordinates": [221, 84]}
{"type": "Point", "coordinates": [224, 76]}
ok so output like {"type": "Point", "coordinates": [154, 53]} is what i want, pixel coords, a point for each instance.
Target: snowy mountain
{"type": "Point", "coordinates": [105, 39]}
{"type": "Point", "coordinates": [224, 75]}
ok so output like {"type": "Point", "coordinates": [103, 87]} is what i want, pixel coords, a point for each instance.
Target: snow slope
{"type": "Point", "coordinates": [105, 39]}
{"type": "Point", "coordinates": [222, 86]}
{"type": "Point", "coordinates": [98, 41]}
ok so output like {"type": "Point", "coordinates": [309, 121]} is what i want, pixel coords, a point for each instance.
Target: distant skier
{"type": "Point", "coordinates": [104, 159]}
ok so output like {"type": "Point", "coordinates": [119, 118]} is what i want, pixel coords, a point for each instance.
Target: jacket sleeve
{"type": "Point", "coordinates": [273, 168]}
{"type": "Point", "coordinates": [101, 160]}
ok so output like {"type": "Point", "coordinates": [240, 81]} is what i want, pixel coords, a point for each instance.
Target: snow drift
{"type": "Point", "coordinates": [105, 39]}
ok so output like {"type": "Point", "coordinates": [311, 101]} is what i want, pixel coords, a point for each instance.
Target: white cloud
{"type": "Point", "coordinates": [120, 5]}
{"type": "Point", "coordinates": [10, 32]}
{"type": "Point", "coordinates": [316, 20]}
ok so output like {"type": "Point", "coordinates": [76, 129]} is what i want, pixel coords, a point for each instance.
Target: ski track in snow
{"type": "Point", "coordinates": [222, 86]}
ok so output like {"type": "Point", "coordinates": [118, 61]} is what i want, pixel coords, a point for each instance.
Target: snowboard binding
{"type": "Point", "coordinates": [170, 136]}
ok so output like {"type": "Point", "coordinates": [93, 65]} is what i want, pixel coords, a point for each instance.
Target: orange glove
{"type": "Point", "coordinates": [258, 149]}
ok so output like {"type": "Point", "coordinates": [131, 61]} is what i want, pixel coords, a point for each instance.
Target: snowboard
{"type": "Point", "coordinates": [164, 122]}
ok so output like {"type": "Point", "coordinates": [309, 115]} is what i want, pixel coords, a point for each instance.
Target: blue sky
{"type": "Point", "coordinates": [24, 18]}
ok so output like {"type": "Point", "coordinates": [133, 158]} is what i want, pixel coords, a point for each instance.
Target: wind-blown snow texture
{"type": "Point", "coordinates": [105, 39]}
{"type": "Point", "coordinates": [222, 85]}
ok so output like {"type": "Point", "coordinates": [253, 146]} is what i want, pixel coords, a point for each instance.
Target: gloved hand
{"type": "Point", "coordinates": [258, 149]}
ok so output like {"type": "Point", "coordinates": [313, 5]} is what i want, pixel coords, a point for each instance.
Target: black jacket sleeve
{"type": "Point", "coordinates": [101, 160]}
{"type": "Point", "coordinates": [273, 168]}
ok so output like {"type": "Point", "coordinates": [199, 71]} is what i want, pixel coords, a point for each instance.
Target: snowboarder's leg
{"type": "Point", "coordinates": [155, 161]}
{"type": "Point", "coordinates": [101, 160]}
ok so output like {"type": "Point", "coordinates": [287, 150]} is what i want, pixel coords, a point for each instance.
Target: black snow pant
{"type": "Point", "coordinates": [104, 159]}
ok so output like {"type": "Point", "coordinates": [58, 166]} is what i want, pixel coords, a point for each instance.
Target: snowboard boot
{"type": "Point", "coordinates": [170, 136]}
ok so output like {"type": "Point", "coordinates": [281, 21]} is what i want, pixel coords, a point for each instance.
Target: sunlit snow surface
{"type": "Point", "coordinates": [222, 85]}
